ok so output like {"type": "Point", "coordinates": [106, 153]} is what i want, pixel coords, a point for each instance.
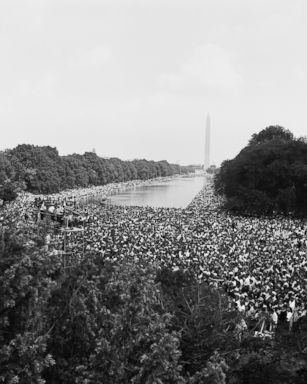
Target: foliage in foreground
{"type": "Point", "coordinates": [27, 278]}
{"type": "Point", "coordinates": [268, 176]}
{"type": "Point", "coordinates": [117, 324]}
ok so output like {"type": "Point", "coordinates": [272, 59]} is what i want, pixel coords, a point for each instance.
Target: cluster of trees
{"type": "Point", "coordinates": [42, 170]}
{"type": "Point", "coordinates": [129, 323]}
{"type": "Point", "coordinates": [268, 176]}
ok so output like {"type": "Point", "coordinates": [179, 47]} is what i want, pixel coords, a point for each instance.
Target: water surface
{"type": "Point", "coordinates": [176, 193]}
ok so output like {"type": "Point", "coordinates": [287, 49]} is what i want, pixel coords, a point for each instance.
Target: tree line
{"type": "Point", "coordinates": [268, 176]}
{"type": "Point", "coordinates": [40, 169]}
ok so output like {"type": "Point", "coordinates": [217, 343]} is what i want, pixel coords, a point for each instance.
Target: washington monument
{"type": "Point", "coordinates": [207, 143]}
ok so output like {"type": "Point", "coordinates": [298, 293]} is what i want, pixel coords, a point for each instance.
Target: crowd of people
{"type": "Point", "coordinates": [30, 208]}
{"type": "Point", "coordinates": [260, 262]}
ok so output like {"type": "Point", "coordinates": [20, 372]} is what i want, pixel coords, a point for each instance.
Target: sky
{"type": "Point", "coordinates": [137, 78]}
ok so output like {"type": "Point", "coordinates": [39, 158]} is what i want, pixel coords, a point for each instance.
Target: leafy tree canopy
{"type": "Point", "coordinates": [269, 175]}
{"type": "Point", "coordinates": [270, 133]}
{"type": "Point", "coordinates": [43, 170]}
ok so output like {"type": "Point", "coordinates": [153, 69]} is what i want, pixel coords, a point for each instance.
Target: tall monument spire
{"type": "Point", "coordinates": [207, 143]}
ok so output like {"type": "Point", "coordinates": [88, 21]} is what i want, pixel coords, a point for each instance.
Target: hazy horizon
{"type": "Point", "coordinates": [137, 78]}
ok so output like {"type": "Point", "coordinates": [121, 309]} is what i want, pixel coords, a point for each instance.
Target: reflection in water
{"type": "Point", "coordinates": [177, 193]}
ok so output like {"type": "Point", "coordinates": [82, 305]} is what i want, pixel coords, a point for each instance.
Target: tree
{"type": "Point", "coordinates": [110, 327]}
{"type": "Point", "coordinates": [267, 176]}
{"type": "Point", "coordinates": [272, 132]}
{"type": "Point", "coordinates": [201, 314]}
{"type": "Point", "coordinates": [9, 190]}
{"type": "Point", "coordinates": [43, 170]}
{"type": "Point", "coordinates": [27, 278]}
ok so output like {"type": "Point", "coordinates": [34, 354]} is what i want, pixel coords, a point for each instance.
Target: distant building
{"type": "Point", "coordinates": [195, 167]}
{"type": "Point", "coordinates": [212, 170]}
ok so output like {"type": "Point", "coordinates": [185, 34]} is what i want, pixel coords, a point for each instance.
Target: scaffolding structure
{"type": "Point", "coordinates": [69, 257]}
{"type": "Point", "coordinates": [69, 221]}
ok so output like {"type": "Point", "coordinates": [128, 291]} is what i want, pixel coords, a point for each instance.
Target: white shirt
{"type": "Point", "coordinates": [275, 317]}
{"type": "Point", "coordinates": [289, 315]}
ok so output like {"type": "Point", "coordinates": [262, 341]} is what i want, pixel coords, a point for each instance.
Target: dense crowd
{"type": "Point", "coordinates": [260, 262]}
{"type": "Point", "coordinates": [31, 207]}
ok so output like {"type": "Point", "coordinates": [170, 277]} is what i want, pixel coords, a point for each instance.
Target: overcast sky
{"type": "Point", "coordinates": [136, 78]}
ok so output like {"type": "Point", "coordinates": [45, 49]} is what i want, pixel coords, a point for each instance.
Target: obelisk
{"type": "Point", "coordinates": [207, 144]}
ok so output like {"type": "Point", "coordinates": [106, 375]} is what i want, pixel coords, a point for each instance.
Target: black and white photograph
{"type": "Point", "coordinates": [153, 192]}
